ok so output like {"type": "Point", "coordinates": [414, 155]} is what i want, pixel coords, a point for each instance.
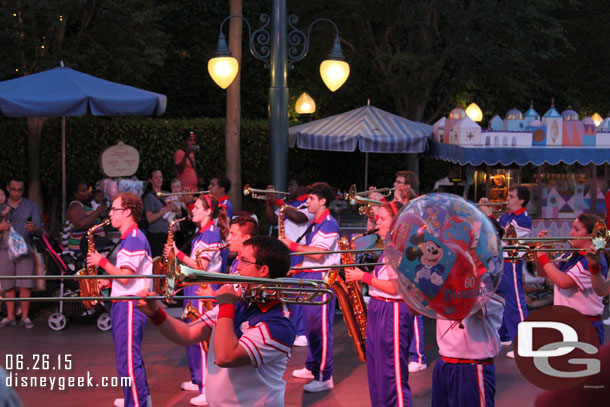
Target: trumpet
{"type": "Point", "coordinates": [261, 193]}
{"type": "Point", "coordinates": [504, 203]}
{"type": "Point", "coordinates": [164, 194]}
{"type": "Point", "coordinates": [356, 198]}
{"type": "Point", "coordinates": [383, 191]}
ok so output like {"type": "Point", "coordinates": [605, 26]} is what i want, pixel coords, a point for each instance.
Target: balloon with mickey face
{"type": "Point", "coordinates": [445, 256]}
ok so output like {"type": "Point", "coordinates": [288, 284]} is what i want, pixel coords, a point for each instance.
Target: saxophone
{"type": "Point", "coordinates": [89, 287]}
{"type": "Point", "coordinates": [350, 299]}
{"type": "Point", "coordinates": [281, 228]}
{"type": "Point", "coordinates": [192, 314]}
{"type": "Point", "coordinates": [161, 264]}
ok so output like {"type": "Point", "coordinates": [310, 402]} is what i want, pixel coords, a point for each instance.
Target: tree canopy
{"type": "Point", "coordinates": [417, 59]}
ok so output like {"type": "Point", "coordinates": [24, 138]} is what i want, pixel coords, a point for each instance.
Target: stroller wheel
{"type": "Point", "coordinates": [57, 321]}
{"type": "Point", "coordinates": [104, 322]}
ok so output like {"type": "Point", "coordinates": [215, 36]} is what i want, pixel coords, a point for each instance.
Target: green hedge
{"type": "Point", "coordinates": [158, 138]}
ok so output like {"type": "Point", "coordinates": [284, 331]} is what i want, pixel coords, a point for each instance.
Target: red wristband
{"type": "Point", "coordinates": [595, 268]}
{"type": "Point", "coordinates": [294, 246]}
{"type": "Point", "coordinates": [226, 311]}
{"type": "Point", "coordinates": [180, 255]}
{"type": "Point", "coordinates": [158, 317]}
{"type": "Point", "coordinates": [544, 260]}
{"type": "Point", "coordinates": [367, 278]}
{"type": "Point", "coordinates": [103, 263]}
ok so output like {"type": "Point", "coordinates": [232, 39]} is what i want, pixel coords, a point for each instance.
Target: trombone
{"type": "Point", "coordinates": [261, 193]}
{"type": "Point", "coordinates": [286, 290]}
{"type": "Point", "coordinates": [600, 240]}
{"type": "Point", "coordinates": [164, 194]}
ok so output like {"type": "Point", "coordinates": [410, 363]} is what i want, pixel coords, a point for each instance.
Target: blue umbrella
{"type": "Point", "coordinates": [65, 92]}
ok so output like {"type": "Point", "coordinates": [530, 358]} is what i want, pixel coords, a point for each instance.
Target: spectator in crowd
{"type": "Point", "coordinates": [184, 160]}
{"type": "Point", "coordinates": [24, 219]}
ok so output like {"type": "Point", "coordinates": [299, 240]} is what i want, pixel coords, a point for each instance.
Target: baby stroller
{"type": "Point", "coordinates": [66, 263]}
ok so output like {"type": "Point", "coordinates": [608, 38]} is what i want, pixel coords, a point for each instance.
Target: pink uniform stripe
{"type": "Point", "coordinates": [397, 372]}
{"type": "Point", "coordinates": [481, 386]}
{"type": "Point", "coordinates": [130, 372]}
{"type": "Point", "coordinates": [417, 342]}
{"type": "Point", "coordinates": [203, 355]}
{"type": "Point", "coordinates": [518, 299]}
{"type": "Point", "coordinates": [324, 342]}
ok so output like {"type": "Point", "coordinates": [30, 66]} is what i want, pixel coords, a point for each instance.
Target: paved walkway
{"type": "Point", "coordinates": [91, 352]}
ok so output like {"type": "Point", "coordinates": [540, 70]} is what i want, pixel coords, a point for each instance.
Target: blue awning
{"type": "Point", "coordinates": [370, 129]}
{"type": "Point", "coordinates": [518, 155]}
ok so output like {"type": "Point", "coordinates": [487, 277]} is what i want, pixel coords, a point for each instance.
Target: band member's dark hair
{"type": "Point", "coordinates": [223, 182]}
{"type": "Point", "coordinates": [271, 252]}
{"type": "Point", "coordinates": [129, 200]}
{"type": "Point", "coordinates": [588, 220]}
{"type": "Point", "coordinates": [322, 190]}
{"type": "Point", "coordinates": [247, 225]}
{"type": "Point", "coordinates": [523, 193]}
{"type": "Point", "coordinates": [14, 178]}
{"type": "Point", "coordinates": [410, 178]}
{"type": "Point", "coordinates": [218, 212]}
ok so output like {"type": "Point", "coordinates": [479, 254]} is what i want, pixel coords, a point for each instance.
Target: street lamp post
{"type": "Point", "coordinates": [279, 49]}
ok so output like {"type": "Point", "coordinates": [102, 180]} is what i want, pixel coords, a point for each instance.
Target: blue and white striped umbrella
{"type": "Point", "coordinates": [370, 129]}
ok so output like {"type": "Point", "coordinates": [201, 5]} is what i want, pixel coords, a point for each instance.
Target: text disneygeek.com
{"type": "Point", "coordinates": [19, 367]}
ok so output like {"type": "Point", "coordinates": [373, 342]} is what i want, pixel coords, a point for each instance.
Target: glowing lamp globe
{"type": "Point", "coordinates": [474, 112]}
{"type": "Point", "coordinates": [305, 104]}
{"type": "Point", "coordinates": [597, 119]}
{"type": "Point", "coordinates": [445, 256]}
{"type": "Point", "coordinates": [223, 70]}
{"type": "Point", "coordinates": [334, 73]}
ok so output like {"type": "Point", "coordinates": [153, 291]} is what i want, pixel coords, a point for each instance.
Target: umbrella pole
{"type": "Point", "coordinates": [366, 171]}
{"type": "Point", "coordinates": [63, 170]}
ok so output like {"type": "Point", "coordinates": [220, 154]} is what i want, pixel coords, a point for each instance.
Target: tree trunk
{"type": "Point", "coordinates": [232, 147]}
{"type": "Point", "coordinates": [35, 125]}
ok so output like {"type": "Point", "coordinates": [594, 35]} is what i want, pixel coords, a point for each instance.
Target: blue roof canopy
{"type": "Point", "coordinates": [368, 128]}
{"type": "Point", "coordinates": [65, 92]}
{"type": "Point", "coordinates": [518, 155]}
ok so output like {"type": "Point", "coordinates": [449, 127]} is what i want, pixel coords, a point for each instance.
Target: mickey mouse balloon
{"type": "Point", "coordinates": [446, 256]}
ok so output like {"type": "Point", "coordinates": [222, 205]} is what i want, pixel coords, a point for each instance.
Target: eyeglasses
{"type": "Point", "coordinates": [399, 182]}
{"type": "Point", "coordinates": [118, 209]}
{"type": "Point", "coordinates": [242, 260]}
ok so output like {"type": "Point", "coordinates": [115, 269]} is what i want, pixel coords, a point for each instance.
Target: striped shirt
{"type": "Point", "coordinates": [134, 255]}
{"type": "Point", "coordinates": [266, 333]}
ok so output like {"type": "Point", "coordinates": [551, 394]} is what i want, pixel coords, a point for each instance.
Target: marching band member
{"type": "Point", "coordinates": [573, 278]}
{"type": "Point", "coordinates": [219, 187]}
{"type": "Point", "coordinates": [321, 235]}
{"type": "Point", "coordinates": [295, 224]}
{"type": "Point", "coordinates": [511, 284]}
{"type": "Point", "coordinates": [249, 343]}
{"type": "Point", "coordinates": [211, 236]}
{"type": "Point", "coordinates": [128, 322]}
{"type": "Point", "coordinates": [404, 190]}
{"type": "Point", "coordinates": [389, 328]}
{"type": "Point", "coordinates": [242, 228]}
{"type": "Point", "coordinates": [465, 374]}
